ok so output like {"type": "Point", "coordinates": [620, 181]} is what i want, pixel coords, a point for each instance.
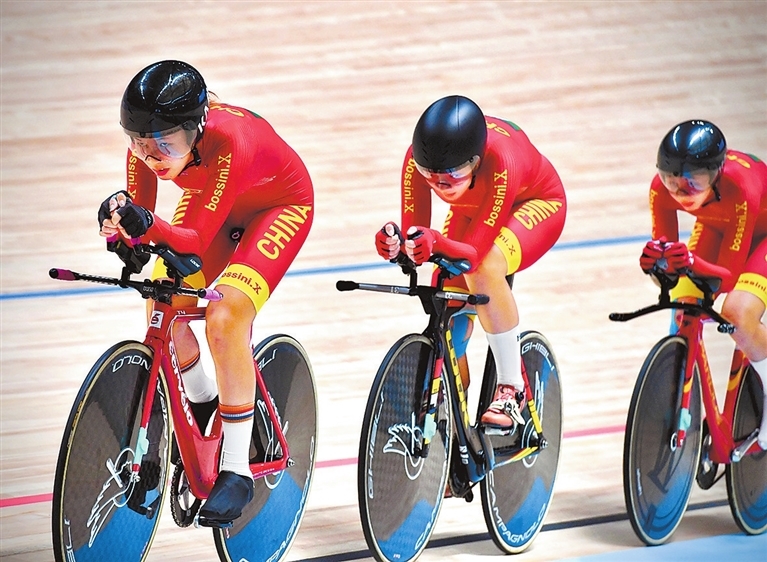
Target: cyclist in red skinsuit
{"type": "Point", "coordinates": [252, 174]}
{"type": "Point", "coordinates": [507, 209]}
{"type": "Point", "coordinates": [726, 191]}
{"type": "Point", "coordinates": [246, 210]}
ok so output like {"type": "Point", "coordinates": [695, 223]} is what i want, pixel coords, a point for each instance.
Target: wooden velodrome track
{"type": "Point", "coordinates": [594, 84]}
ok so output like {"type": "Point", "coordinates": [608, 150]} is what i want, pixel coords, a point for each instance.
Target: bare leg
{"type": "Point", "coordinates": [745, 311]}
{"type": "Point", "coordinates": [500, 314]}
{"type": "Point", "coordinates": [228, 329]}
{"type": "Point", "coordinates": [500, 320]}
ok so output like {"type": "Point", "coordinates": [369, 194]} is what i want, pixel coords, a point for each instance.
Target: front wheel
{"type": "Point", "coordinates": [658, 473]}
{"type": "Point", "coordinates": [269, 523]}
{"type": "Point", "coordinates": [400, 492]}
{"type": "Point", "coordinates": [516, 496]}
{"type": "Point", "coordinates": [747, 479]}
{"type": "Point", "coordinates": [101, 514]}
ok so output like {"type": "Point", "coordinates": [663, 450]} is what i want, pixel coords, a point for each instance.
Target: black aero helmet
{"type": "Point", "coordinates": [165, 95]}
{"type": "Point", "coordinates": [450, 132]}
{"type": "Point", "coordinates": [692, 145]}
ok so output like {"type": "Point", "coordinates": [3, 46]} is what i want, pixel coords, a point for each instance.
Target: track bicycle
{"type": "Point", "coordinates": [668, 444]}
{"type": "Point", "coordinates": [417, 438]}
{"type": "Point", "coordinates": [114, 460]}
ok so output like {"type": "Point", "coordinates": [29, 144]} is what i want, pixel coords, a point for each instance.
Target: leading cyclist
{"type": "Point", "coordinates": [507, 209]}
{"type": "Point", "coordinates": [726, 192]}
{"type": "Point", "coordinates": [246, 209]}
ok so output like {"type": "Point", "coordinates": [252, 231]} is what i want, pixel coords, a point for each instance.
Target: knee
{"type": "Point", "coordinates": [492, 267]}
{"type": "Point", "coordinates": [224, 325]}
{"type": "Point", "coordinates": [738, 311]}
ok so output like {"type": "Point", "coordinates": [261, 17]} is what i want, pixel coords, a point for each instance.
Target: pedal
{"type": "Point", "coordinates": [740, 451]}
{"type": "Point", "coordinates": [212, 524]}
{"type": "Point", "coordinates": [200, 522]}
{"type": "Point", "coordinates": [707, 471]}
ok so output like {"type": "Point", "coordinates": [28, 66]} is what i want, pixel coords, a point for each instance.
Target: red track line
{"type": "Point", "coordinates": [25, 500]}
{"type": "Point", "coordinates": [594, 431]}
{"type": "Point", "coordinates": [40, 498]}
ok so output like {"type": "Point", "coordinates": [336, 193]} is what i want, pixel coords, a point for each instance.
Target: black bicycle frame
{"type": "Point", "coordinates": [477, 456]}
{"type": "Point", "coordinates": [472, 445]}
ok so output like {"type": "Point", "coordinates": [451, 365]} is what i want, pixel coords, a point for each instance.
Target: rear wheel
{"type": "Point", "coordinates": [99, 513]}
{"type": "Point", "coordinates": [747, 479]}
{"type": "Point", "coordinates": [516, 496]}
{"type": "Point", "coordinates": [400, 492]}
{"type": "Point", "coordinates": [269, 523]}
{"type": "Point", "coordinates": [658, 474]}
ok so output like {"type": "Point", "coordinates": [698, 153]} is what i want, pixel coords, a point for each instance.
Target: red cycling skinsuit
{"type": "Point", "coordinates": [730, 232]}
{"type": "Point", "coordinates": [516, 202]}
{"type": "Point", "coordinates": [248, 178]}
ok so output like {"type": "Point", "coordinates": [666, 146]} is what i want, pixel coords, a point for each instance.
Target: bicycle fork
{"type": "Point", "coordinates": [470, 445]}
{"type": "Point", "coordinates": [429, 404]}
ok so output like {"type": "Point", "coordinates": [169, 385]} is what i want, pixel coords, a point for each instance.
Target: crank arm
{"type": "Point", "coordinates": [741, 450]}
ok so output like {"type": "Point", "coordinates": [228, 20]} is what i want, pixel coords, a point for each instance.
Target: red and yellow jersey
{"type": "Point", "coordinates": [511, 172]}
{"type": "Point", "coordinates": [735, 222]}
{"type": "Point", "coordinates": [244, 168]}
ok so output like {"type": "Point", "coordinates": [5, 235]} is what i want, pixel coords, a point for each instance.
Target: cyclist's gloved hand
{"type": "Point", "coordinates": [652, 252]}
{"type": "Point", "coordinates": [388, 241]}
{"type": "Point", "coordinates": [134, 219]}
{"type": "Point", "coordinates": [678, 256]}
{"type": "Point", "coordinates": [109, 206]}
{"type": "Point", "coordinates": [420, 244]}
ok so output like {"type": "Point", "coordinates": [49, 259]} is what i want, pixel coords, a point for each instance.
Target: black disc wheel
{"type": "Point", "coordinates": [100, 512]}
{"type": "Point", "coordinates": [658, 472]}
{"type": "Point", "coordinates": [400, 491]}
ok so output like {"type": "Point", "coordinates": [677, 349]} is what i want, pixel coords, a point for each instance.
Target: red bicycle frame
{"type": "Point", "coordinates": [199, 453]}
{"type": "Point", "coordinates": [724, 449]}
